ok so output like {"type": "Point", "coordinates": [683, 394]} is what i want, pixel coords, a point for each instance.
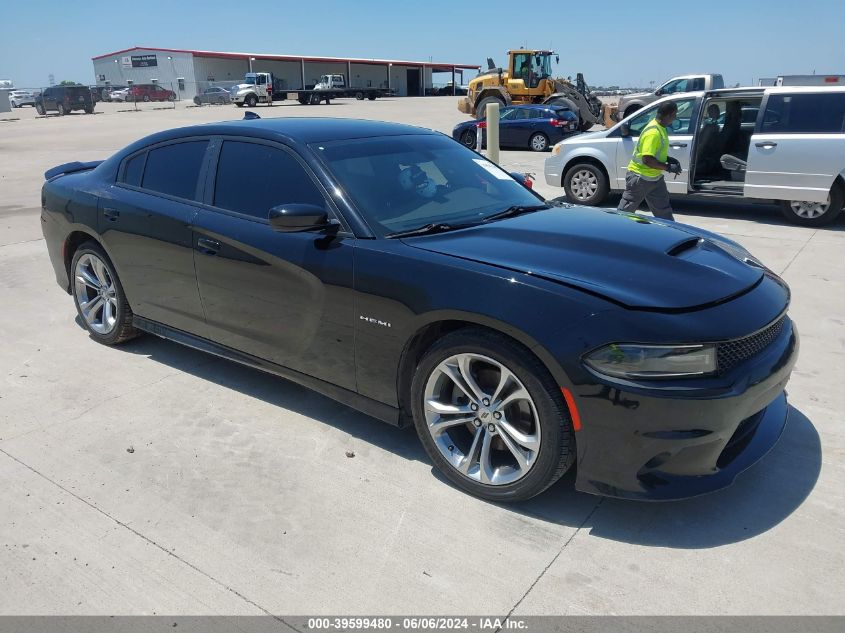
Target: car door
{"type": "Point", "coordinates": [283, 297]}
{"type": "Point", "coordinates": [680, 142]}
{"type": "Point", "coordinates": [507, 131]}
{"type": "Point", "coordinates": [49, 99]}
{"type": "Point", "coordinates": [797, 148]}
{"type": "Point", "coordinates": [144, 221]}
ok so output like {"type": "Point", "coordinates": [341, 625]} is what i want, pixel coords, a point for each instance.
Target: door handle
{"type": "Point", "coordinates": [207, 246]}
{"type": "Point", "coordinates": [111, 214]}
{"type": "Point", "coordinates": [766, 144]}
{"type": "Point", "coordinates": [677, 145]}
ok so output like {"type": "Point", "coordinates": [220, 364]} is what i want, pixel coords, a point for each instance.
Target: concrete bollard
{"type": "Point", "coordinates": [493, 132]}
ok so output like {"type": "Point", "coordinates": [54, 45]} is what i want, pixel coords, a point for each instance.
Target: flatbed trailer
{"type": "Point", "coordinates": [262, 87]}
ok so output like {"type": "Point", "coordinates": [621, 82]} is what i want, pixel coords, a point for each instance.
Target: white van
{"type": "Point", "coordinates": [779, 143]}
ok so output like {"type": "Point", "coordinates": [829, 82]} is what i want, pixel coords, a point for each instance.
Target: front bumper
{"type": "Point", "coordinates": [465, 106]}
{"type": "Point", "coordinates": [664, 443]}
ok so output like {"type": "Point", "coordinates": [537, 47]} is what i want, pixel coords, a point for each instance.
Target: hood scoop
{"type": "Point", "coordinates": [684, 246]}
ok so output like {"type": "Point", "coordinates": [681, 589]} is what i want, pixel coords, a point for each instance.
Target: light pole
{"type": "Point", "coordinates": [251, 59]}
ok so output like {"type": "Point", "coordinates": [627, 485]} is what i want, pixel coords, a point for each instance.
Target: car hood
{"type": "Point", "coordinates": [627, 258]}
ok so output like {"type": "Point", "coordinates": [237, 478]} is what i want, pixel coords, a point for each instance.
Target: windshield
{"type": "Point", "coordinates": [249, 79]}
{"type": "Point", "coordinates": [401, 183]}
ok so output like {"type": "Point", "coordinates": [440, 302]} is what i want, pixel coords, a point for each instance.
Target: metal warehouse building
{"type": "Point", "coordinates": [188, 72]}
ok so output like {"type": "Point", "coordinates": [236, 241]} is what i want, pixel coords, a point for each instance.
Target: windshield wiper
{"type": "Point", "coordinates": [515, 210]}
{"type": "Point", "coordinates": [434, 227]}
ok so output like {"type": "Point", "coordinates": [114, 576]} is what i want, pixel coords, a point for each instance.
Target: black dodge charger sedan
{"type": "Point", "coordinates": [397, 271]}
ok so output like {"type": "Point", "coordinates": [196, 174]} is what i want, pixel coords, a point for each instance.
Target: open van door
{"type": "Point", "coordinates": [798, 145]}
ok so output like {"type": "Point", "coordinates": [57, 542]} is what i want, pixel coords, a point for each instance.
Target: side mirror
{"type": "Point", "coordinates": [292, 218]}
{"type": "Point", "coordinates": [625, 130]}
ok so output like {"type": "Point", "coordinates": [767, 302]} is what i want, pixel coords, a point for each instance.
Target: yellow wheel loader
{"type": "Point", "coordinates": [528, 79]}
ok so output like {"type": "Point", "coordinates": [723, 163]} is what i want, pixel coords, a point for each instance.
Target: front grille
{"type": "Point", "coordinates": [732, 353]}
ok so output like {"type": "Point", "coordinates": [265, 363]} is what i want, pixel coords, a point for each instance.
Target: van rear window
{"type": "Point", "coordinates": [813, 113]}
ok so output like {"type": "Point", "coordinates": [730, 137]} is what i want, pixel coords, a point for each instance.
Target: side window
{"type": "Point", "coordinates": [507, 114]}
{"type": "Point", "coordinates": [521, 66]}
{"type": "Point", "coordinates": [805, 114]}
{"type": "Point", "coordinates": [134, 169]}
{"type": "Point", "coordinates": [641, 120]}
{"type": "Point", "coordinates": [718, 82]}
{"type": "Point", "coordinates": [253, 178]}
{"type": "Point", "coordinates": [175, 169]}
{"type": "Point", "coordinates": [696, 84]}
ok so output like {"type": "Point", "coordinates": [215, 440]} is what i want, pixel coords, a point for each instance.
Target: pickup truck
{"type": "Point", "coordinates": [686, 83]}
{"type": "Point", "coordinates": [265, 88]}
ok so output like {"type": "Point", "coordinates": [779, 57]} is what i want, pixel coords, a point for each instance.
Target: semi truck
{"type": "Point", "coordinates": [265, 88]}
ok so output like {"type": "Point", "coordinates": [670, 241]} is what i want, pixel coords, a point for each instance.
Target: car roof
{"type": "Point", "coordinates": [295, 129]}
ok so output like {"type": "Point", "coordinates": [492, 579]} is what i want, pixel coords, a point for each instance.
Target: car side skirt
{"type": "Point", "coordinates": [378, 410]}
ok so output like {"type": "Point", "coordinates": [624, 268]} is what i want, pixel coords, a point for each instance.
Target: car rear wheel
{"type": "Point", "coordinates": [371, 97]}
{"type": "Point", "coordinates": [585, 184]}
{"type": "Point", "coordinates": [469, 138]}
{"type": "Point", "coordinates": [314, 99]}
{"type": "Point", "coordinates": [99, 297]}
{"type": "Point", "coordinates": [538, 142]}
{"type": "Point", "coordinates": [62, 110]}
{"type": "Point", "coordinates": [815, 213]}
{"type": "Point", "coordinates": [89, 109]}
{"type": "Point", "coordinates": [490, 416]}
{"type": "Point", "coordinates": [359, 95]}
{"type": "Point", "coordinates": [39, 109]}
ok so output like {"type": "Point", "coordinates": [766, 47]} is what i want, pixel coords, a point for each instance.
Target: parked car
{"type": "Point", "coordinates": [19, 98]}
{"type": "Point", "coordinates": [214, 94]}
{"type": "Point", "coordinates": [534, 127]}
{"type": "Point", "coordinates": [120, 94]}
{"type": "Point", "coordinates": [397, 271]}
{"type": "Point", "coordinates": [792, 151]}
{"type": "Point", "coordinates": [65, 99]}
{"type": "Point", "coordinates": [149, 92]}
{"type": "Point", "coordinates": [687, 83]}
{"type": "Point", "coordinates": [105, 91]}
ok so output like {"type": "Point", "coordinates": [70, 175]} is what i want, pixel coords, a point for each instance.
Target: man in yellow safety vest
{"type": "Point", "coordinates": [644, 180]}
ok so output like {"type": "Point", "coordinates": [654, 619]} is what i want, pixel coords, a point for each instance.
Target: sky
{"type": "Point", "coordinates": [611, 42]}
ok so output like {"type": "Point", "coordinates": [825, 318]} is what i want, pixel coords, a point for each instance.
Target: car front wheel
{"type": "Point", "coordinates": [491, 417]}
{"type": "Point", "coordinates": [99, 297]}
{"type": "Point", "coordinates": [585, 184]}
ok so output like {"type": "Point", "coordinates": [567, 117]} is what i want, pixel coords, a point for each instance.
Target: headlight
{"type": "Point", "coordinates": [624, 360]}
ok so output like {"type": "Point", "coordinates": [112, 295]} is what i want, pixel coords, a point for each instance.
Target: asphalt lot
{"type": "Point", "coordinates": [238, 496]}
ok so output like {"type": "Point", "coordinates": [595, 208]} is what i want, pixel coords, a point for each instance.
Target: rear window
{"type": "Point", "coordinates": [175, 169]}
{"type": "Point", "coordinates": [814, 113]}
{"type": "Point", "coordinates": [565, 115]}
{"type": "Point", "coordinates": [134, 170]}
{"type": "Point", "coordinates": [718, 82]}
{"type": "Point", "coordinates": [75, 91]}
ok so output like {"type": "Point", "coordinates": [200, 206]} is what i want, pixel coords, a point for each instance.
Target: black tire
{"type": "Point", "coordinates": [371, 97]}
{"type": "Point", "coordinates": [123, 329]}
{"type": "Point", "coordinates": [239, 104]}
{"type": "Point", "coordinates": [314, 99]}
{"type": "Point", "coordinates": [62, 110]}
{"type": "Point", "coordinates": [630, 110]}
{"type": "Point", "coordinates": [481, 107]}
{"type": "Point", "coordinates": [39, 109]}
{"type": "Point", "coordinates": [197, 101]}
{"type": "Point", "coordinates": [359, 95]}
{"type": "Point", "coordinates": [557, 444]}
{"type": "Point", "coordinates": [147, 98]}
{"type": "Point", "coordinates": [538, 142]}
{"type": "Point", "coordinates": [469, 138]}
{"type": "Point", "coordinates": [571, 186]}
{"type": "Point", "coordinates": [834, 209]}
{"type": "Point", "coordinates": [89, 109]}
{"type": "Point", "coordinates": [251, 101]}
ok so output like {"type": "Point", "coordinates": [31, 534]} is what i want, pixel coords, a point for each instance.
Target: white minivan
{"type": "Point", "coordinates": [780, 143]}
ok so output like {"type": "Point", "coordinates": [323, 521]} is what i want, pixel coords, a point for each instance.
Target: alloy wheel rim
{"type": "Point", "coordinates": [809, 210]}
{"type": "Point", "coordinates": [482, 419]}
{"type": "Point", "coordinates": [584, 184]}
{"type": "Point", "coordinates": [95, 294]}
{"type": "Point", "coordinates": [538, 142]}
